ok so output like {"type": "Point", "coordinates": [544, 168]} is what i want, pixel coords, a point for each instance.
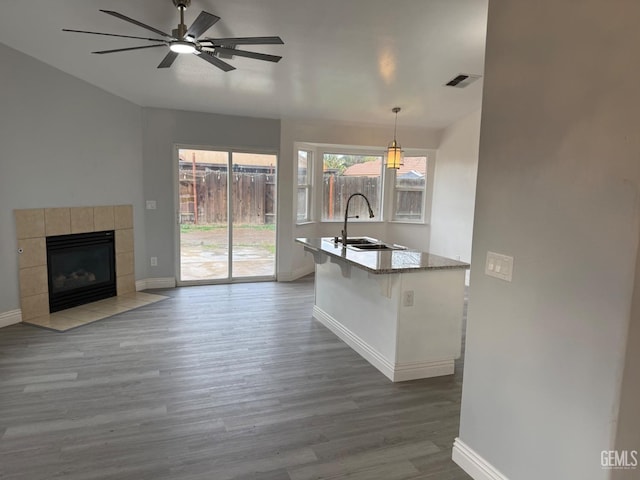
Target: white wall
{"type": "Point", "coordinates": [162, 130]}
{"type": "Point", "coordinates": [63, 143]}
{"type": "Point", "coordinates": [454, 189]}
{"type": "Point", "coordinates": [335, 133]}
{"type": "Point", "coordinates": [558, 175]}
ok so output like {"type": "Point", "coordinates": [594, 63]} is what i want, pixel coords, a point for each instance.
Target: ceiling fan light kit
{"type": "Point", "coordinates": [185, 40]}
{"type": "Point", "coordinates": [182, 46]}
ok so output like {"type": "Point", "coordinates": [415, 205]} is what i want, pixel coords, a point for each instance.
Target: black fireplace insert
{"type": "Point", "coordinates": [81, 269]}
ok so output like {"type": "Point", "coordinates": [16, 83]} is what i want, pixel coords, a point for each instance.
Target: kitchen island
{"type": "Point", "coordinates": [400, 309]}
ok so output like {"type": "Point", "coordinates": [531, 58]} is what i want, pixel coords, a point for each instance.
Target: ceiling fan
{"type": "Point", "coordinates": [185, 40]}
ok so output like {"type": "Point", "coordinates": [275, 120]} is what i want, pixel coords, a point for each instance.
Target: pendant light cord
{"type": "Point", "coordinates": [395, 125]}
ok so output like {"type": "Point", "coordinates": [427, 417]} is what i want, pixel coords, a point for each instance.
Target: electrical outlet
{"type": "Point", "coordinates": [407, 298]}
{"type": "Point", "coordinates": [154, 261]}
{"type": "Point", "coordinates": [151, 204]}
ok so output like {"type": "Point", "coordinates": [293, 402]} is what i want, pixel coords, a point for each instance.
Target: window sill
{"type": "Point", "coordinates": [301, 224]}
{"type": "Point", "coordinates": [409, 222]}
{"type": "Point", "coordinates": [353, 220]}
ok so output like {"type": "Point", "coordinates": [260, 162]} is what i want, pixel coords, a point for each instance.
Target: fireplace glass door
{"type": "Point", "coordinates": [81, 269]}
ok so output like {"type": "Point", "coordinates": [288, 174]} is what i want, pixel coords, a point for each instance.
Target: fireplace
{"type": "Point", "coordinates": [80, 269]}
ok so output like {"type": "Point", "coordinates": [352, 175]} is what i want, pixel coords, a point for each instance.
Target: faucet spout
{"type": "Point", "coordinates": [346, 216]}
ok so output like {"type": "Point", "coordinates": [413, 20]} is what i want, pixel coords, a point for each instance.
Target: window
{"type": "Point", "coordinates": [410, 187]}
{"type": "Point", "coordinates": [326, 175]}
{"type": "Point", "coordinates": [305, 169]}
{"type": "Point", "coordinates": [346, 174]}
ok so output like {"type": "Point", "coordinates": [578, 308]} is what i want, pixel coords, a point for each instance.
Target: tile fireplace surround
{"type": "Point", "coordinates": [34, 225]}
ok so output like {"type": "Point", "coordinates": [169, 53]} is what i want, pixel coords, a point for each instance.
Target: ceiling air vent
{"type": "Point", "coordinates": [462, 80]}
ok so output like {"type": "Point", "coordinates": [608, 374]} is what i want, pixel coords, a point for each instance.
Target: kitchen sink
{"type": "Point", "coordinates": [373, 246]}
{"type": "Point", "coordinates": [367, 244]}
{"type": "Point", "coordinates": [377, 246]}
{"type": "Point", "coordinates": [361, 241]}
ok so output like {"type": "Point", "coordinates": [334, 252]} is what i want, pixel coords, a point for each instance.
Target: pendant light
{"type": "Point", "coordinates": [395, 155]}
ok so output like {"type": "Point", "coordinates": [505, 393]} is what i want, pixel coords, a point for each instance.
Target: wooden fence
{"type": "Point", "coordinates": [337, 189]}
{"type": "Point", "coordinates": [336, 192]}
{"type": "Point", "coordinates": [409, 201]}
{"type": "Point", "coordinates": [253, 198]}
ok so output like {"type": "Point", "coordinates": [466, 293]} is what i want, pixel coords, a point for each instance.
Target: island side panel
{"type": "Point", "coordinates": [431, 329]}
{"type": "Point", "coordinates": [362, 309]}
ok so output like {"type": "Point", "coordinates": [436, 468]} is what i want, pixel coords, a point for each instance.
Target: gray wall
{"type": "Point", "coordinates": [162, 130]}
{"type": "Point", "coordinates": [557, 189]}
{"type": "Point", "coordinates": [68, 143]}
{"type": "Point", "coordinates": [628, 434]}
{"type": "Point", "coordinates": [63, 143]}
{"type": "Point", "coordinates": [454, 190]}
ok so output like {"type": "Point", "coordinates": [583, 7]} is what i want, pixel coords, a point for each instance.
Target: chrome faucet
{"type": "Point", "coordinates": [346, 216]}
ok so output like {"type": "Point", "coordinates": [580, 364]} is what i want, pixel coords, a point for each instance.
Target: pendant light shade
{"type": "Point", "coordinates": [395, 154]}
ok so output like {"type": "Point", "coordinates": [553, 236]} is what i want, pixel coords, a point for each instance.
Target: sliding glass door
{"type": "Point", "coordinates": [226, 216]}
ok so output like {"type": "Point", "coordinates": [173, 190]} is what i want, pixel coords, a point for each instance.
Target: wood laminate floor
{"type": "Point", "coordinates": [216, 382]}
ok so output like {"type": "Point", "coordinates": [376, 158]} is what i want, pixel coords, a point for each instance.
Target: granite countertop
{"type": "Point", "coordinates": [385, 261]}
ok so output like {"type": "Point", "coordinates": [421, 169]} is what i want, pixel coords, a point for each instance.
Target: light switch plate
{"type": "Point", "coordinates": [151, 204]}
{"type": "Point", "coordinates": [499, 266]}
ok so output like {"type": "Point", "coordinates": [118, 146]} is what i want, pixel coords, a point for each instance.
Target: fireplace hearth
{"type": "Point", "coordinates": [80, 269]}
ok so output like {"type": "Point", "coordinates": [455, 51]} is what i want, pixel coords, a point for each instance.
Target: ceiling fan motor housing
{"type": "Point", "coordinates": [180, 32]}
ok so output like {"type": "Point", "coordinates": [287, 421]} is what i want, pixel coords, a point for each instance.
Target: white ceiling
{"type": "Point", "coordinates": [346, 60]}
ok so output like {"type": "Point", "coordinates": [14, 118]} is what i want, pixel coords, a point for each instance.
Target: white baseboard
{"type": "Point", "coordinates": [296, 274]}
{"type": "Point", "coordinates": [10, 318]}
{"type": "Point", "coordinates": [472, 463]}
{"type": "Point", "coordinates": [151, 283]}
{"type": "Point", "coordinates": [412, 371]}
{"type": "Point", "coordinates": [395, 372]}
{"type": "Point", "coordinates": [354, 341]}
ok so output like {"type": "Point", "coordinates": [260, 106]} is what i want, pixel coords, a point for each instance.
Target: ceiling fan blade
{"type": "Point", "coordinates": [114, 35]}
{"type": "Point", "coordinates": [244, 53]}
{"type": "Point", "coordinates": [245, 41]}
{"type": "Point", "coordinates": [203, 23]}
{"type": "Point", "coordinates": [168, 60]}
{"type": "Point", "coordinates": [136, 22]}
{"type": "Point", "coordinates": [213, 60]}
{"type": "Point", "coordinates": [128, 49]}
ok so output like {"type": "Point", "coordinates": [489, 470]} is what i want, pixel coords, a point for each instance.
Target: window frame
{"type": "Point", "coordinates": [427, 191]}
{"type": "Point", "coordinates": [308, 186]}
{"type": "Point", "coordinates": [388, 183]}
{"type": "Point", "coordinates": [323, 150]}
